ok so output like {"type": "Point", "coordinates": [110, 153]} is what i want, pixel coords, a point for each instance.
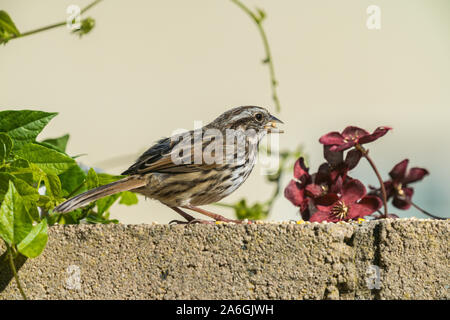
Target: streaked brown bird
{"type": "Point", "coordinates": [195, 168]}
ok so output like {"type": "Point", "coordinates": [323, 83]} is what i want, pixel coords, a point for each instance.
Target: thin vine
{"type": "Point", "coordinates": [258, 18]}
{"type": "Point", "coordinates": [87, 21]}
{"type": "Point", "coordinates": [14, 271]}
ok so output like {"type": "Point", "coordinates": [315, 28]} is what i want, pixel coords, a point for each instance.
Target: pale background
{"type": "Point", "coordinates": [150, 67]}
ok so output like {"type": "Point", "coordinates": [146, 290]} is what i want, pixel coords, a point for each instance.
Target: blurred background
{"type": "Point", "coordinates": [149, 67]}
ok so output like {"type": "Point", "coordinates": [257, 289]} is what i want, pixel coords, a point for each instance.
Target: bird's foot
{"type": "Point", "coordinates": [178, 222]}
{"type": "Point", "coordinates": [213, 222]}
{"type": "Point", "coordinates": [193, 221]}
{"type": "Point", "coordinates": [217, 217]}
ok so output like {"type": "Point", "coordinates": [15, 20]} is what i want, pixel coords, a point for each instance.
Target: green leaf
{"type": "Point", "coordinates": [100, 219]}
{"type": "Point", "coordinates": [72, 179]}
{"type": "Point", "coordinates": [128, 198]}
{"type": "Point", "coordinates": [73, 217]}
{"type": "Point", "coordinates": [256, 212]}
{"type": "Point", "coordinates": [7, 27]}
{"type": "Point", "coordinates": [261, 13]}
{"type": "Point", "coordinates": [53, 192]}
{"type": "Point", "coordinates": [5, 147]}
{"type": "Point", "coordinates": [5, 178]}
{"type": "Point", "coordinates": [86, 26]}
{"type": "Point", "coordinates": [7, 217]}
{"type": "Point", "coordinates": [15, 222]}
{"type": "Point", "coordinates": [34, 243]}
{"type": "Point", "coordinates": [43, 201]}
{"type": "Point", "coordinates": [6, 23]}
{"type": "Point", "coordinates": [19, 164]}
{"type": "Point", "coordinates": [20, 168]}
{"type": "Point", "coordinates": [28, 193]}
{"type": "Point", "coordinates": [23, 126]}
{"type": "Point", "coordinates": [34, 212]}
{"type": "Point", "coordinates": [59, 144]}
{"type": "Point", "coordinates": [105, 203]}
{"type": "Point", "coordinates": [53, 186]}
{"type": "Point", "coordinates": [92, 179]}
{"type": "Point", "coordinates": [104, 178]}
{"type": "Point", "coordinates": [48, 160]}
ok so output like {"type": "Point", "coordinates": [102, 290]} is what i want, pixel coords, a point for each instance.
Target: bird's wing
{"type": "Point", "coordinates": [160, 158]}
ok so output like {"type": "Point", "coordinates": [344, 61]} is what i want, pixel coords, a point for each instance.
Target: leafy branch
{"type": "Point", "coordinates": [9, 31]}
{"type": "Point", "coordinates": [35, 176]}
{"type": "Point", "coordinates": [258, 19]}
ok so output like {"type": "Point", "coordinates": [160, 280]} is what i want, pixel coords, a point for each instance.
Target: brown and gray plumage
{"type": "Point", "coordinates": [188, 170]}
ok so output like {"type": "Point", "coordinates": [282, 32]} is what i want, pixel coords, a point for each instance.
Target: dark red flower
{"type": "Point", "coordinates": [295, 192]}
{"type": "Point", "coordinates": [338, 166]}
{"type": "Point", "coordinates": [296, 189]}
{"type": "Point", "coordinates": [397, 187]}
{"type": "Point", "coordinates": [350, 204]}
{"type": "Point", "coordinates": [350, 137]}
{"type": "Point", "coordinates": [304, 187]}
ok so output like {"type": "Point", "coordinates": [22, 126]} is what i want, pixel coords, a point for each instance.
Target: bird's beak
{"type": "Point", "coordinates": [271, 126]}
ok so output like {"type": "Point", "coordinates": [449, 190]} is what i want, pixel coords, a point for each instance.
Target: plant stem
{"type": "Point", "coordinates": [365, 154]}
{"type": "Point", "coordinates": [89, 6]}
{"type": "Point", "coordinates": [426, 212]}
{"type": "Point", "coordinates": [268, 60]}
{"type": "Point", "coordinates": [14, 271]}
{"type": "Point", "coordinates": [55, 25]}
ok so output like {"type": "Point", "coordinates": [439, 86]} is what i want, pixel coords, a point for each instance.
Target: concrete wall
{"type": "Point", "coordinates": [393, 259]}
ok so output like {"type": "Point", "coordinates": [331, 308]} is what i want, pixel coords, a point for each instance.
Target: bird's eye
{"type": "Point", "coordinates": [259, 117]}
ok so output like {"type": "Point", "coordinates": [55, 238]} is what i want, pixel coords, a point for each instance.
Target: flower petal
{"type": "Point", "coordinates": [352, 191]}
{"type": "Point", "coordinates": [305, 213]}
{"type": "Point", "coordinates": [378, 133]}
{"type": "Point", "coordinates": [332, 138]}
{"type": "Point", "coordinates": [333, 157]}
{"type": "Point", "coordinates": [344, 146]}
{"type": "Point", "coordinates": [314, 190]}
{"type": "Point", "coordinates": [415, 174]}
{"type": "Point", "coordinates": [390, 190]}
{"type": "Point", "coordinates": [323, 174]}
{"type": "Point", "coordinates": [326, 202]}
{"type": "Point", "coordinates": [403, 202]}
{"type": "Point", "coordinates": [352, 158]}
{"type": "Point", "coordinates": [301, 171]}
{"type": "Point", "coordinates": [336, 187]}
{"type": "Point", "coordinates": [365, 207]}
{"type": "Point", "coordinates": [354, 133]}
{"type": "Point", "coordinates": [320, 216]}
{"type": "Point", "coordinates": [294, 193]}
{"type": "Point", "coordinates": [304, 206]}
{"type": "Point", "coordinates": [399, 171]}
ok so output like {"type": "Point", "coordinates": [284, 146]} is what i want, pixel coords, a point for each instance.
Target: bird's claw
{"type": "Point", "coordinates": [193, 221]}
{"type": "Point", "coordinates": [178, 222]}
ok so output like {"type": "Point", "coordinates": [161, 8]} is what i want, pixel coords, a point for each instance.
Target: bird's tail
{"type": "Point", "coordinates": [87, 197]}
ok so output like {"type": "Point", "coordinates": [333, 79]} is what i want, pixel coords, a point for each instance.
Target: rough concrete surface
{"type": "Point", "coordinates": [390, 259]}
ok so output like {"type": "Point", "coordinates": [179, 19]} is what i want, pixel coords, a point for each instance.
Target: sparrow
{"type": "Point", "coordinates": [193, 168]}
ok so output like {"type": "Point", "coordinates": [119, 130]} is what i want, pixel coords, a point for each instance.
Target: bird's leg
{"type": "Point", "coordinates": [215, 216]}
{"type": "Point", "coordinates": [188, 217]}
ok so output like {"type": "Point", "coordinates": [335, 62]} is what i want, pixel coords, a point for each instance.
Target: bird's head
{"type": "Point", "coordinates": [248, 118]}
